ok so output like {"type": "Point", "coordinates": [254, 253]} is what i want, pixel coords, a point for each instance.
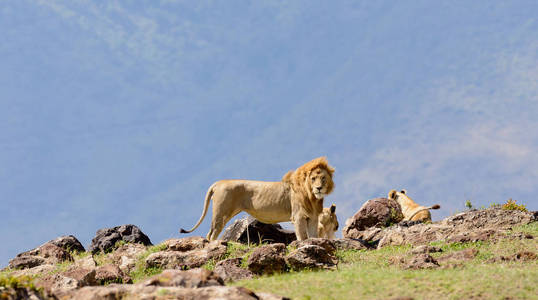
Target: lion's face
{"type": "Point", "coordinates": [320, 182]}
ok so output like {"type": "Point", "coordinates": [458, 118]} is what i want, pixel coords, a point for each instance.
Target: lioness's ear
{"type": "Point", "coordinates": [333, 208]}
{"type": "Point", "coordinates": [403, 192]}
{"type": "Point", "coordinates": [392, 194]}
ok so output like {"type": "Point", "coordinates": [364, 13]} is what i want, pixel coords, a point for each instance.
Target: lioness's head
{"type": "Point", "coordinates": [410, 209]}
{"type": "Point", "coordinates": [328, 223]}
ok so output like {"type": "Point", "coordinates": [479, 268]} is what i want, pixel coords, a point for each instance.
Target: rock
{"type": "Point", "coordinates": [475, 225]}
{"type": "Point", "coordinates": [54, 254]}
{"type": "Point", "coordinates": [520, 256]}
{"type": "Point", "coordinates": [462, 255]}
{"type": "Point", "coordinates": [25, 262]}
{"type": "Point", "coordinates": [125, 291]}
{"type": "Point", "coordinates": [186, 244]}
{"type": "Point", "coordinates": [351, 244]}
{"type": "Point", "coordinates": [422, 261]}
{"type": "Point", "coordinates": [111, 274]}
{"type": "Point", "coordinates": [187, 259]}
{"type": "Point", "coordinates": [326, 244]}
{"type": "Point", "coordinates": [83, 276]}
{"type": "Point", "coordinates": [425, 249]}
{"type": "Point", "coordinates": [311, 256]}
{"type": "Point", "coordinates": [68, 243]}
{"type": "Point", "coordinates": [35, 271]}
{"type": "Point", "coordinates": [105, 239]}
{"type": "Point", "coordinates": [268, 259]}
{"type": "Point", "coordinates": [61, 283]}
{"type": "Point", "coordinates": [47, 253]}
{"type": "Point", "coordinates": [195, 278]}
{"type": "Point", "coordinates": [125, 256]}
{"type": "Point", "coordinates": [375, 212]}
{"type": "Point", "coordinates": [257, 232]}
{"type": "Point", "coordinates": [86, 262]}
{"type": "Point", "coordinates": [21, 293]}
{"type": "Point", "coordinates": [475, 236]}
{"type": "Point", "coordinates": [230, 270]}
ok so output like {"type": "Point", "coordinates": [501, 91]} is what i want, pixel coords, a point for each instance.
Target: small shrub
{"type": "Point", "coordinates": [511, 205]}
{"type": "Point", "coordinates": [468, 204]}
{"type": "Point", "coordinates": [17, 282]}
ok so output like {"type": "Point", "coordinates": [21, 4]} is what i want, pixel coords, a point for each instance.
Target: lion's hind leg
{"type": "Point", "coordinates": [219, 220]}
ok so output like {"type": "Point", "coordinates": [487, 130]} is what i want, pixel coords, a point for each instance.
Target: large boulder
{"type": "Point", "coordinates": [379, 212]}
{"type": "Point", "coordinates": [251, 230]}
{"type": "Point", "coordinates": [187, 259]}
{"type": "Point", "coordinates": [105, 239]}
{"type": "Point", "coordinates": [268, 259]}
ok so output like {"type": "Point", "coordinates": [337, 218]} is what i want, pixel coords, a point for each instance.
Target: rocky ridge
{"type": "Point", "coordinates": [64, 270]}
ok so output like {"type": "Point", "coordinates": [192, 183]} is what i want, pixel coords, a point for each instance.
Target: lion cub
{"type": "Point", "coordinates": [328, 223]}
{"type": "Point", "coordinates": [410, 209]}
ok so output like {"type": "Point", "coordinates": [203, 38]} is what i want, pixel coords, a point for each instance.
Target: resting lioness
{"type": "Point", "coordinates": [411, 210]}
{"type": "Point", "coordinates": [297, 198]}
{"type": "Point", "coordinates": [328, 223]}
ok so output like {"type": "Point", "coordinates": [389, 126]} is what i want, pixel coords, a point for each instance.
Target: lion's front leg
{"type": "Point", "coordinates": [312, 227]}
{"type": "Point", "coordinates": [301, 226]}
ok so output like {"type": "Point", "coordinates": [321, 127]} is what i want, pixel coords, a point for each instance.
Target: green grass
{"type": "Point", "coordinates": [140, 271]}
{"type": "Point", "coordinates": [369, 274]}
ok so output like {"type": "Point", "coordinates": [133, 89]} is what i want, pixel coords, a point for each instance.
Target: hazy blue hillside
{"type": "Point", "coordinates": [125, 113]}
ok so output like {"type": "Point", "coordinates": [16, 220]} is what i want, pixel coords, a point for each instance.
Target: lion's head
{"type": "Point", "coordinates": [314, 180]}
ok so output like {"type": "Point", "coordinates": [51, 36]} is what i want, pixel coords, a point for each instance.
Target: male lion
{"type": "Point", "coordinates": [297, 198]}
{"type": "Point", "coordinates": [328, 223]}
{"type": "Point", "coordinates": [411, 210]}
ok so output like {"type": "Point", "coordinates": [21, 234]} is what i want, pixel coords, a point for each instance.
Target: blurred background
{"type": "Point", "coordinates": [126, 112]}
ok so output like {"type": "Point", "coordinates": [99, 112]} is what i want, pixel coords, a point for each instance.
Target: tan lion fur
{"type": "Point", "coordinates": [328, 223]}
{"type": "Point", "coordinates": [410, 209]}
{"type": "Point", "coordinates": [297, 198]}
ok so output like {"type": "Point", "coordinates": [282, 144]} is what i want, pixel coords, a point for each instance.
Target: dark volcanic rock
{"type": "Point", "coordinates": [375, 212]}
{"type": "Point", "coordinates": [311, 256]}
{"type": "Point", "coordinates": [106, 238]}
{"type": "Point", "coordinates": [68, 242]}
{"type": "Point", "coordinates": [268, 259]}
{"type": "Point", "coordinates": [257, 232]}
{"type": "Point", "coordinates": [230, 270]}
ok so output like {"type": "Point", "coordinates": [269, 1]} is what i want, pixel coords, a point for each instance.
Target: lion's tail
{"type": "Point", "coordinates": [208, 196]}
{"type": "Point", "coordinates": [423, 208]}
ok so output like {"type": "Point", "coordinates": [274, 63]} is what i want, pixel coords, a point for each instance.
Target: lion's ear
{"type": "Point", "coordinates": [333, 208]}
{"type": "Point", "coordinates": [392, 194]}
